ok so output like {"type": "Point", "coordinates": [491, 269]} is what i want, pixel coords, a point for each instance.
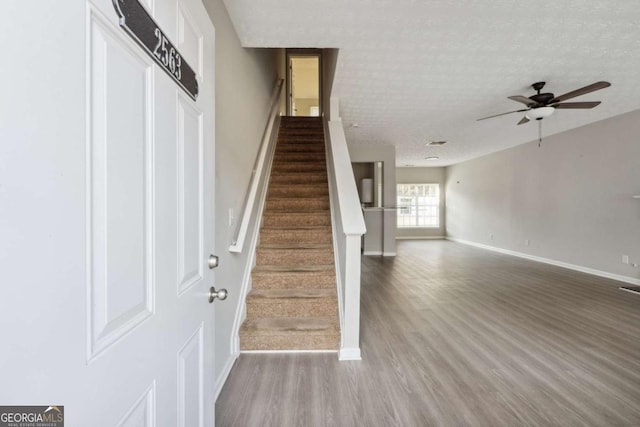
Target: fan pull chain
{"type": "Point", "coordinates": [539, 133]}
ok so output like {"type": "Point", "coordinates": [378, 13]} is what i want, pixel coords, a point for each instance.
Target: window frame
{"type": "Point", "coordinates": [414, 216]}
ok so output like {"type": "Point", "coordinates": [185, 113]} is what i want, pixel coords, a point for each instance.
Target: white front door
{"type": "Point", "coordinates": [106, 216]}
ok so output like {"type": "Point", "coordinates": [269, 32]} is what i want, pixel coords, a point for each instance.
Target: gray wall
{"type": "Point", "coordinates": [244, 82]}
{"type": "Point", "coordinates": [436, 175]}
{"type": "Point", "coordinates": [571, 198]}
{"type": "Point", "coordinates": [329, 63]}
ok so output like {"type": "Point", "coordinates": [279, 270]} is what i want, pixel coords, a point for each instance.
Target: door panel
{"type": "Point", "coordinates": [189, 165]}
{"type": "Point", "coordinates": [190, 39]}
{"type": "Point", "coordinates": [119, 242]}
{"type": "Point", "coordinates": [190, 381]}
{"type": "Point", "coordinates": [142, 413]}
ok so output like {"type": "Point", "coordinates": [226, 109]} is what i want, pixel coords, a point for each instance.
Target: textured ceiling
{"type": "Point", "coordinates": [411, 71]}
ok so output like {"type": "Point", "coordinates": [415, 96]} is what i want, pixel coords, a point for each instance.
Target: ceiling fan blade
{"type": "Point", "coordinates": [519, 98]}
{"type": "Point", "coordinates": [587, 89]}
{"type": "Point", "coordinates": [523, 120]}
{"type": "Point", "coordinates": [577, 104]}
{"type": "Point", "coordinates": [502, 114]}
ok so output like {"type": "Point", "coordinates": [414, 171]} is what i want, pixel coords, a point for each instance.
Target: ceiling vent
{"type": "Point", "coordinates": [436, 143]}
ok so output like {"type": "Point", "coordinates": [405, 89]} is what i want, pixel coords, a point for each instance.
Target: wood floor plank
{"type": "Point", "coordinates": [456, 336]}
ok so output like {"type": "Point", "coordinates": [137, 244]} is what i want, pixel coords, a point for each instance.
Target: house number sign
{"type": "Point", "coordinates": [135, 20]}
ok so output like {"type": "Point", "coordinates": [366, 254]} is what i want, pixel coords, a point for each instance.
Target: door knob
{"type": "Point", "coordinates": [213, 262]}
{"type": "Point", "coordinates": [213, 294]}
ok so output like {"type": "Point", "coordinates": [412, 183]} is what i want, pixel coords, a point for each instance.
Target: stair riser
{"type": "Point", "coordinates": [293, 178]}
{"type": "Point", "coordinates": [310, 220]}
{"type": "Point", "coordinates": [293, 308]}
{"type": "Point", "coordinates": [298, 190]}
{"type": "Point", "coordinates": [291, 280]}
{"type": "Point", "coordinates": [295, 237]}
{"type": "Point", "coordinates": [287, 146]}
{"type": "Point", "coordinates": [312, 144]}
{"type": "Point", "coordinates": [312, 204]}
{"type": "Point", "coordinates": [288, 342]}
{"type": "Point", "coordinates": [286, 257]}
{"type": "Point", "coordinates": [300, 157]}
{"type": "Point", "coordinates": [284, 166]}
{"type": "Point", "coordinates": [300, 144]}
{"type": "Point", "coordinates": [302, 130]}
{"type": "Point", "coordinates": [315, 143]}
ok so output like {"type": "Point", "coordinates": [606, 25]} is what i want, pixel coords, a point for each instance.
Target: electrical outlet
{"type": "Point", "coordinates": [526, 242]}
{"type": "Point", "coordinates": [231, 217]}
{"type": "Point", "coordinates": [491, 236]}
{"type": "Point", "coordinates": [625, 259]}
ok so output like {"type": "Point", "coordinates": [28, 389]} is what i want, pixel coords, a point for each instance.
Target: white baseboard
{"type": "Point", "coordinates": [378, 253]}
{"type": "Point", "coordinates": [350, 354]}
{"type": "Point", "coordinates": [286, 351]}
{"type": "Point", "coordinates": [574, 267]}
{"type": "Point", "coordinates": [222, 378]}
{"type": "Point", "coordinates": [420, 237]}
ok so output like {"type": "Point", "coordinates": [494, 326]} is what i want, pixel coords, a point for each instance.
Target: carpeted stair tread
{"type": "Point", "coordinates": [299, 184]}
{"type": "Point", "coordinates": [294, 256]}
{"type": "Point", "coordinates": [263, 295]}
{"type": "Point", "coordinates": [310, 306]}
{"type": "Point", "coordinates": [265, 278]}
{"type": "Point", "coordinates": [297, 190]}
{"type": "Point", "coordinates": [293, 280]}
{"type": "Point", "coordinates": [293, 268]}
{"type": "Point", "coordinates": [299, 166]}
{"type": "Point", "coordinates": [308, 325]}
{"type": "Point", "coordinates": [327, 246]}
{"type": "Point", "coordinates": [319, 212]}
{"type": "Point", "coordinates": [291, 227]}
{"type": "Point", "coordinates": [311, 228]}
{"type": "Point", "coordinates": [298, 177]}
{"type": "Point", "coordinates": [297, 145]}
{"type": "Point", "coordinates": [291, 302]}
{"type": "Point", "coordinates": [296, 219]}
{"type": "Point", "coordinates": [320, 334]}
{"type": "Point", "coordinates": [291, 204]}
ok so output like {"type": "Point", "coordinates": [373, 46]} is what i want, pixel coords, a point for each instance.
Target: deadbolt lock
{"type": "Point", "coordinates": [213, 261]}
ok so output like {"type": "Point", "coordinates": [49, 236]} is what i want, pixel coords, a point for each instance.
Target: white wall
{"type": "Point", "coordinates": [571, 198]}
{"type": "Point", "coordinates": [329, 63]}
{"type": "Point", "coordinates": [434, 175]}
{"type": "Point", "coordinates": [245, 79]}
{"type": "Point", "coordinates": [387, 155]}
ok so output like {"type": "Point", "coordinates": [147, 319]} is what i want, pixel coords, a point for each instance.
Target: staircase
{"type": "Point", "coordinates": [293, 302]}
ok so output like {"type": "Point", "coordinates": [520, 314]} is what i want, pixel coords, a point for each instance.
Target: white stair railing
{"type": "Point", "coordinates": [260, 167]}
{"type": "Point", "coordinates": [348, 228]}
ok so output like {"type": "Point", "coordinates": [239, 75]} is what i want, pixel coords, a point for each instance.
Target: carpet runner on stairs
{"type": "Point", "coordinates": [293, 302]}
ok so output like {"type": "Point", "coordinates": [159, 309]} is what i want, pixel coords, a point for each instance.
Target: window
{"type": "Point", "coordinates": [418, 205]}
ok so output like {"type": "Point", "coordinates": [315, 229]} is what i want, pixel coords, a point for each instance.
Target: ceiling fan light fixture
{"type": "Point", "coordinates": [539, 113]}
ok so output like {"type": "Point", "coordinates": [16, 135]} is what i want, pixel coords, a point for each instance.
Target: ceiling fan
{"type": "Point", "coordinates": [542, 105]}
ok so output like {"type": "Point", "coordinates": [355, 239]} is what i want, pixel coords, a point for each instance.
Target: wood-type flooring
{"type": "Point", "coordinates": [453, 335]}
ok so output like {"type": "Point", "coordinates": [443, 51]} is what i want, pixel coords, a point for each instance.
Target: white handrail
{"type": "Point", "coordinates": [348, 227]}
{"type": "Point", "coordinates": [350, 209]}
{"type": "Point", "coordinates": [268, 139]}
